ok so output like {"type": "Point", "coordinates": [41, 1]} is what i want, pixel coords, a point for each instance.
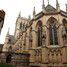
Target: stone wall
{"type": "Point", "coordinates": [17, 59]}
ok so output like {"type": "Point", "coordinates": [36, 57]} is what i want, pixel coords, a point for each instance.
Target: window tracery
{"type": "Point", "coordinates": [53, 32]}
{"type": "Point", "coordinates": [39, 33]}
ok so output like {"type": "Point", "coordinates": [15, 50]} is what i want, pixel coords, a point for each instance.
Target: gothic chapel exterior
{"type": "Point", "coordinates": [44, 36]}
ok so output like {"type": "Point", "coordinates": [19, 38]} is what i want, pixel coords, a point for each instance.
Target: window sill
{"type": "Point", "coordinates": [65, 45]}
{"type": "Point", "coordinates": [54, 46]}
{"type": "Point", "coordinates": [38, 47]}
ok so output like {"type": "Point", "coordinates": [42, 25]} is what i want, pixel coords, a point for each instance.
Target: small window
{"type": "Point", "coordinates": [39, 33]}
{"type": "Point", "coordinates": [21, 25]}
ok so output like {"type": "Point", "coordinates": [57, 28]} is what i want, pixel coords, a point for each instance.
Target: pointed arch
{"type": "Point", "coordinates": [10, 47]}
{"type": "Point", "coordinates": [53, 39]}
{"type": "Point", "coordinates": [65, 24]}
{"type": "Point", "coordinates": [39, 33]}
{"type": "Point", "coordinates": [38, 25]}
{"type": "Point", "coordinates": [52, 20]}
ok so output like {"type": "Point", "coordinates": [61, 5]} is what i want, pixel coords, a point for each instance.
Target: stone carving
{"type": "Point", "coordinates": [54, 54]}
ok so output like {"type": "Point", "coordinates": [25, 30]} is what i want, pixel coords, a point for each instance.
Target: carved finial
{"type": "Point", "coordinates": [8, 32]}
{"type": "Point", "coordinates": [43, 5]}
{"type": "Point", "coordinates": [19, 14]}
{"type": "Point", "coordinates": [57, 5]}
{"type": "Point", "coordinates": [48, 2]}
{"type": "Point", "coordinates": [66, 7]}
{"type": "Point", "coordinates": [34, 12]}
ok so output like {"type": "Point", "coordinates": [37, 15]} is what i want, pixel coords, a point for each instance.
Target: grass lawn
{"type": "Point", "coordinates": [6, 65]}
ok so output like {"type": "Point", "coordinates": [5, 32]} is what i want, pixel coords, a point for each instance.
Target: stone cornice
{"type": "Point", "coordinates": [41, 14]}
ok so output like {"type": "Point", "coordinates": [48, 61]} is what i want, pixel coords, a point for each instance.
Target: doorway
{"type": "Point", "coordinates": [8, 58]}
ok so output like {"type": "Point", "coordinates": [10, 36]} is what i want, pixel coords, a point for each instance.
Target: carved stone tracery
{"type": "Point", "coordinates": [38, 54]}
{"type": "Point", "coordinates": [55, 55]}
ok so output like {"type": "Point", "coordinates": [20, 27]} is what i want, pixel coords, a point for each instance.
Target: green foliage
{"type": "Point", "coordinates": [6, 65]}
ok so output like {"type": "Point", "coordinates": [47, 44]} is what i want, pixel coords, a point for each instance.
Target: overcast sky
{"type": "Point", "coordinates": [13, 7]}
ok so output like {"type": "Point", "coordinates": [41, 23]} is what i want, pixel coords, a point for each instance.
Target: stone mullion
{"type": "Point", "coordinates": [53, 36]}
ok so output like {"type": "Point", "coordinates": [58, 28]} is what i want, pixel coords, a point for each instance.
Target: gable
{"type": "Point", "coordinates": [50, 9]}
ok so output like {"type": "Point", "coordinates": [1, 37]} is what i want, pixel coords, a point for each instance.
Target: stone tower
{"type": "Point", "coordinates": [7, 39]}
{"type": "Point", "coordinates": [7, 47]}
{"type": "Point", "coordinates": [21, 25]}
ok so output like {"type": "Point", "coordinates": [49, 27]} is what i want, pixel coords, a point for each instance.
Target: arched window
{"type": "Point", "coordinates": [64, 31]}
{"type": "Point", "coordinates": [21, 25]}
{"type": "Point", "coordinates": [53, 32]}
{"type": "Point", "coordinates": [39, 33]}
{"type": "Point", "coordinates": [65, 24]}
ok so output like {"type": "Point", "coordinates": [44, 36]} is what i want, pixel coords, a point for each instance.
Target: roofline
{"type": "Point", "coordinates": [42, 14]}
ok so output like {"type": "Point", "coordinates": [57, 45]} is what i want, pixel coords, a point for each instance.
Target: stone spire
{"type": "Point", "coordinates": [7, 32]}
{"type": "Point", "coordinates": [66, 7]}
{"type": "Point", "coordinates": [57, 6]}
{"type": "Point", "coordinates": [19, 14]}
{"type": "Point", "coordinates": [48, 2]}
{"type": "Point", "coordinates": [43, 5]}
{"type": "Point", "coordinates": [29, 17]}
{"type": "Point", "coordinates": [34, 12]}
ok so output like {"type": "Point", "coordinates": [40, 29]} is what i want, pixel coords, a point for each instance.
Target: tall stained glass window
{"type": "Point", "coordinates": [53, 34]}
{"type": "Point", "coordinates": [39, 34]}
